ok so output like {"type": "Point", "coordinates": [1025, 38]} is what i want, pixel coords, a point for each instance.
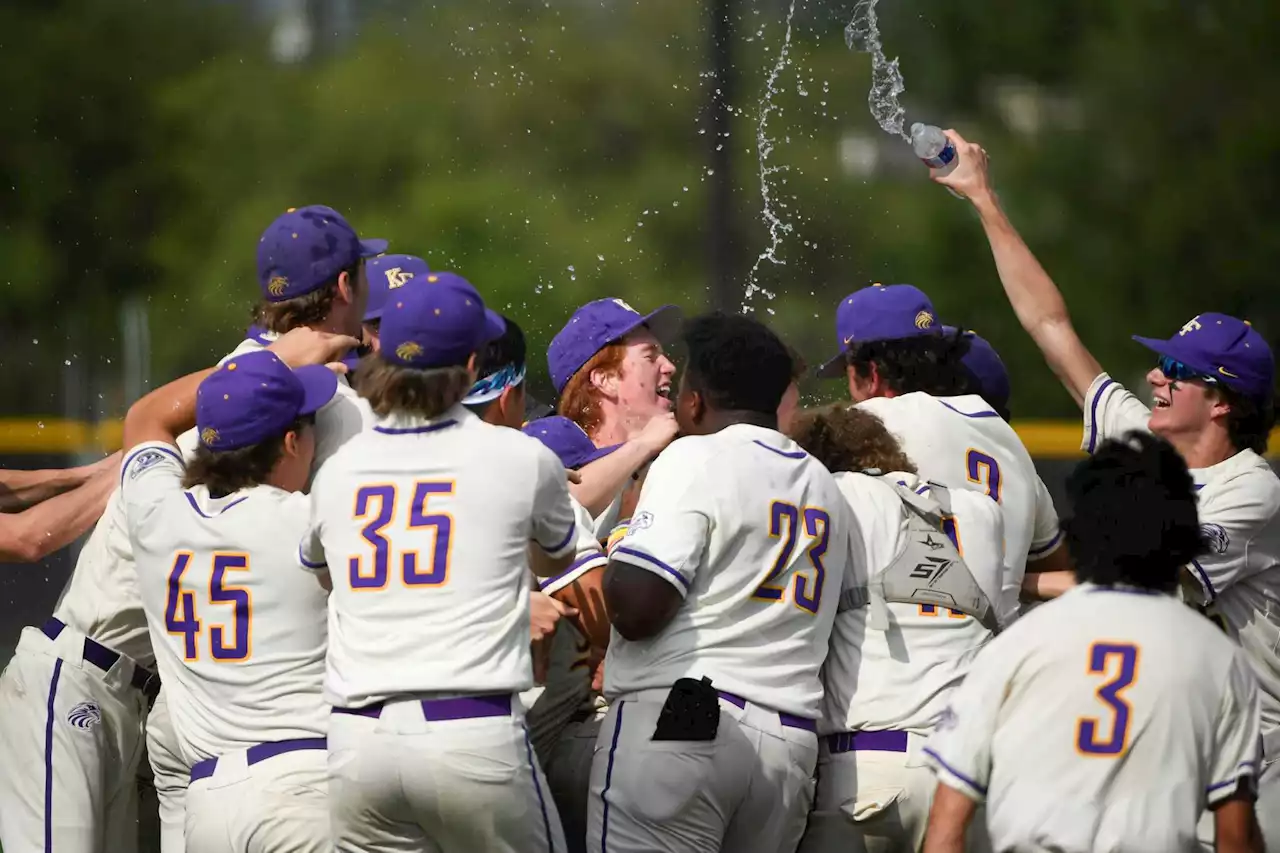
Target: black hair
{"type": "Point", "coordinates": [1249, 421]}
{"type": "Point", "coordinates": [507, 350]}
{"type": "Point", "coordinates": [736, 363]}
{"type": "Point", "coordinates": [224, 472]}
{"type": "Point", "coordinates": [1134, 518]}
{"type": "Point", "coordinates": [929, 363]}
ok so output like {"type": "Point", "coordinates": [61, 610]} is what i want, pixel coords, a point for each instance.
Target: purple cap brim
{"type": "Point", "coordinates": [663, 322]}
{"type": "Point", "coordinates": [598, 453]}
{"type": "Point", "coordinates": [319, 384]}
{"type": "Point", "coordinates": [372, 247]}
{"type": "Point", "coordinates": [1171, 349]}
{"type": "Point", "coordinates": [495, 325]}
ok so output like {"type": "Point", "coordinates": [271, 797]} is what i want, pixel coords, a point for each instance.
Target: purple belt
{"type": "Point", "coordinates": [104, 658]}
{"type": "Point", "coordinates": [788, 720]}
{"type": "Point", "coordinates": [259, 752]}
{"type": "Point", "coordinates": [442, 710]}
{"type": "Point", "coordinates": [867, 742]}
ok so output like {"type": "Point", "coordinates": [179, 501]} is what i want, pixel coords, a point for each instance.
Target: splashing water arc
{"type": "Point", "coordinates": [863, 35]}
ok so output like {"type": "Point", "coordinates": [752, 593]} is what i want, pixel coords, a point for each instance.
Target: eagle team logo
{"type": "Point", "coordinates": [397, 278]}
{"type": "Point", "coordinates": [924, 320]}
{"type": "Point", "coordinates": [143, 461]}
{"type": "Point", "coordinates": [85, 716]}
{"type": "Point", "coordinates": [408, 351]}
{"type": "Point", "coordinates": [209, 436]}
{"type": "Point", "coordinates": [277, 285]}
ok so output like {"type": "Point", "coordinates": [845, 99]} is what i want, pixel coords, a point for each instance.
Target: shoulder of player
{"type": "Point", "coordinates": [1252, 485]}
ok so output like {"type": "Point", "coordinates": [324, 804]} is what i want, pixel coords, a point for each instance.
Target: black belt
{"type": "Point", "coordinates": [104, 658]}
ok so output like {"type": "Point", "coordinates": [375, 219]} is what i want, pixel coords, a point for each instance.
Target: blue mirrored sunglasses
{"type": "Point", "coordinates": [1176, 371]}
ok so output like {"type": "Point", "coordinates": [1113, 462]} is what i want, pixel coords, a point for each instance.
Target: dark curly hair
{"type": "Point", "coordinates": [928, 363]}
{"type": "Point", "coordinates": [846, 438]}
{"type": "Point", "coordinates": [1134, 518]}
{"type": "Point", "coordinates": [736, 363]}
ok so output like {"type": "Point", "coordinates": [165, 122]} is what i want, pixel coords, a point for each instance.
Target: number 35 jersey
{"type": "Point", "coordinates": [424, 527]}
{"type": "Point", "coordinates": [755, 536]}
{"type": "Point", "coordinates": [1107, 719]}
{"type": "Point", "coordinates": [239, 632]}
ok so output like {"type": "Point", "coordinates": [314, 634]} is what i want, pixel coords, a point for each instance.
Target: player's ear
{"type": "Point", "coordinates": [346, 288]}
{"type": "Point", "coordinates": [471, 366]}
{"type": "Point", "coordinates": [292, 443]}
{"type": "Point", "coordinates": [605, 380]}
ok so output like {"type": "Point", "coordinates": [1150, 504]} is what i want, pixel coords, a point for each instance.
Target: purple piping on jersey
{"type": "Point", "coordinates": [1126, 590]}
{"type": "Point", "coordinates": [578, 564]}
{"type": "Point", "coordinates": [1204, 580]}
{"type": "Point", "coordinates": [790, 454]}
{"type": "Point", "coordinates": [307, 563]}
{"type": "Point", "coordinates": [192, 500]}
{"type": "Point", "coordinates": [986, 414]}
{"type": "Point", "coordinates": [1045, 549]}
{"type": "Point", "coordinates": [414, 430]}
{"type": "Point", "coordinates": [134, 455]}
{"type": "Point", "coordinates": [608, 780]}
{"type": "Point", "coordinates": [1198, 486]}
{"type": "Point", "coordinates": [1093, 414]}
{"type": "Point", "coordinates": [632, 552]}
{"type": "Point", "coordinates": [537, 786]}
{"type": "Point", "coordinates": [573, 528]}
{"type": "Point", "coordinates": [1235, 780]}
{"type": "Point", "coordinates": [956, 773]}
{"type": "Point", "coordinates": [48, 760]}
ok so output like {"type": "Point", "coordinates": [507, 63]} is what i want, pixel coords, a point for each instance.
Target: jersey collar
{"type": "Point", "coordinates": [401, 424]}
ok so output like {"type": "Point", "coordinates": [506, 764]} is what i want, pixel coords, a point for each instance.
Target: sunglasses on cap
{"type": "Point", "coordinates": [1176, 371]}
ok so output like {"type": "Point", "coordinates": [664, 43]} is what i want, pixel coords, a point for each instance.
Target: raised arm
{"type": "Point", "coordinates": [22, 489]}
{"type": "Point", "coordinates": [605, 477]}
{"type": "Point", "coordinates": [35, 533]}
{"type": "Point", "coordinates": [1035, 298]}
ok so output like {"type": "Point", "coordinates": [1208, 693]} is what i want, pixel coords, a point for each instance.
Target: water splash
{"type": "Point", "coordinates": [863, 34]}
{"type": "Point", "coordinates": [778, 227]}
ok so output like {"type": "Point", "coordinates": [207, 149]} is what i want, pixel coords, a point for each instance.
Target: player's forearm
{"type": "Point", "coordinates": [544, 565]}
{"type": "Point", "coordinates": [1236, 826]}
{"type": "Point", "coordinates": [165, 413]}
{"type": "Point", "coordinates": [21, 489]}
{"type": "Point", "coordinates": [1041, 586]}
{"type": "Point", "coordinates": [1036, 300]}
{"type": "Point", "coordinates": [34, 534]}
{"type": "Point", "coordinates": [948, 821]}
{"type": "Point", "coordinates": [604, 478]}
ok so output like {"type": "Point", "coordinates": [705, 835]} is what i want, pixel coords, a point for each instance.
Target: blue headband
{"type": "Point", "coordinates": [489, 388]}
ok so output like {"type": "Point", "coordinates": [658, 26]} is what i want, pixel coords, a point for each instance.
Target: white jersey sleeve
{"type": "Point", "coordinates": [554, 522]}
{"type": "Point", "coordinates": [1110, 410]}
{"type": "Point", "coordinates": [1238, 752]}
{"type": "Point", "coordinates": [152, 471]}
{"type": "Point", "coordinates": [588, 554]}
{"type": "Point", "coordinates": [669, 530]}
{"type": "Point", "coordinates": [1046, 536]}
{"type": "Point", "coordinates": [311, 550]}
{"type": "Point", "coordinates": [960, 748]}
{"type": "Point", "coordinates": [1237, 515]}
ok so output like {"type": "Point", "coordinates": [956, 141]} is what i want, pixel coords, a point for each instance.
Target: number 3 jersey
{"type": "Point", "coordinates": [755, 536]}
{"type": "Point", "coordinates": [1105, 720]}
{"type": "Point", "coordinates": [239, 631]}
{"type": "Point", "coordinates": [424, 528]}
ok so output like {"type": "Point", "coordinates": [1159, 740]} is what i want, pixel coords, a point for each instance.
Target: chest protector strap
{"type": "Point", "coordinates": [929, 570]}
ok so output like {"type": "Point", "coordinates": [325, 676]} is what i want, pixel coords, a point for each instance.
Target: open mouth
{"type": "Point", "coordinates": [1160, 402]}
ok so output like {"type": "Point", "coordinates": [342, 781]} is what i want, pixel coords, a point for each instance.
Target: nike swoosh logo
{"type": "Point", "coordinates": [1225, 372]}
{"type": "Point", "coordinates": [849, 340]}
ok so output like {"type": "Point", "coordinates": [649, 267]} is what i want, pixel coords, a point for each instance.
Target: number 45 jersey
{"type": "Point", "coordinates": [239, 631]}
{"type": "Point", "coordinates": [1107, 719]}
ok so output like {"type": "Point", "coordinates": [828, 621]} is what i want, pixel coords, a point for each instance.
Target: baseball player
{"type": "Point", "coordinates": [422, 526]}
{"type": "Point", "coordinates": [1212, 390]}
{"type": "Point", "coordinates": [722, 595]}
{"type": "Point", "coordinates": [45, 511]}
{"type": "Point", "coordinates": [239, 635]}
{"type": "Point", "coordinates": [386, 275]}
{"type": "Point", "coordinates": [614, 381]}
{"type": "Point", "coordinates": [1111, 717]}
{"type": "Point", "coordinates": [902, 367]}
{"type": "Point", "coordinates": [886, 686]}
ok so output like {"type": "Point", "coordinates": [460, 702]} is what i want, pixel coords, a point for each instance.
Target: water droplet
{"type": "Point", "coordinates": [40, 424]}
{"type": "Point", "coordinates": [571, 268]}
{"type": "Point", "coordinates": [599, 257]}
{"type": "Point", "coordinates": [67, 362]}
{"type": "Point", "coordinates": [35, 340]}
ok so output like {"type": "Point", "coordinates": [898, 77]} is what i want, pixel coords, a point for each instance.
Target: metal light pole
{"type": "Point", "coordinates": [720, 229]}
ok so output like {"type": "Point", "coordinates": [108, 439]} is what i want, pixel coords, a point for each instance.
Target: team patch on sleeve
{"type": "Point", "coordinates": [145, 458]}
{"type": "Point", "coordinates": [1215, 538]}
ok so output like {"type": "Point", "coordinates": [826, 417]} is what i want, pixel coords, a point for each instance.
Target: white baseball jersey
{"type": "Point", "coordinates": [239, 632]}
{"type": "Point", "coordinates": [961, 443]}
{"type": "Point", "coordinates": [1239, 577]}
{"type": "Point", "coordinates": [423, 527]}
{"type": "Point", "coordinates": [902, 678]}
{"type": "Point", "coordinates": [101, 597]}
{"type": "Point", "coordinates": [756, 537]}
{"type": "Point", "coordinates": [568, 685]}
{"type": "Point", "coordinates": [1104, 720]}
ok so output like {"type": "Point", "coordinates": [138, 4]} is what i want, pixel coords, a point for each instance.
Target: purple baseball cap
{"type": "Point", "coordinates": [305, 248]}
{"type": "Point", "coordinates": [879, 313]}
{"type": "Point", "coordinates": [596, 325]}
{"type": "Point", "coordinates": [438, 324]}
{"type": "Point", "coordinates": [1222, 347]}
{"type": "Point", "coordinates": [567, 440]}
{"type": "Point", "coordinates": [387, 274]}
{"type": "Point", "coordinates": [985, 368]}
{"type": "Point", "coordinates": [255, 396]}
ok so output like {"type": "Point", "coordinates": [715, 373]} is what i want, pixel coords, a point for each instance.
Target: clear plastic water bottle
{"type": "Point", "coordinates": [936, 151]}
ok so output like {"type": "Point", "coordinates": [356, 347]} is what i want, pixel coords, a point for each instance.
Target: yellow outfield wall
{"type": "Point", "coordinates": [1044, 439]}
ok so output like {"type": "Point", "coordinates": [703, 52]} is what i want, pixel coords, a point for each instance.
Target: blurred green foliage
{"type": "Point", "coordinates": [552, 153]}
